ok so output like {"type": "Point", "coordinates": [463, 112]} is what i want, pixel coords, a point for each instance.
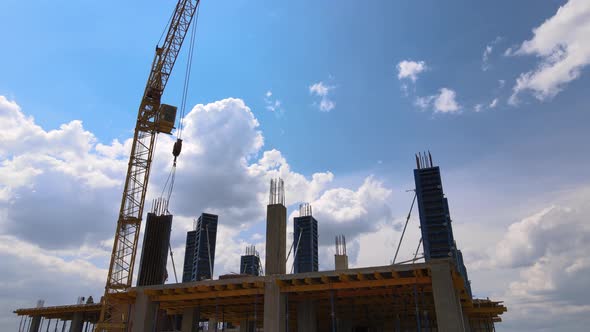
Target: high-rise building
{"type": "Point", "coordinates": [156, 243]}
{"type": "Point", "coordinates": [305, 241]}
{"type": "Point", "coordinates": [189, 255]}
{"type": "Point", "coordinates": [250, 262]}
{"type": "Point", "coordinates": [199, 258]}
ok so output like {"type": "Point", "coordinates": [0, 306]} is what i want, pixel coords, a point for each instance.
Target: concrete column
{"type": "Point", "coordinates": [35, 324]}
{"type": "Point", "coordinates": [212, 325]}
{"type": "Point", "coordinates": [190, 320]}
{"type": "Point", "coordinates": [306, 316]}
{"type": "Point", "coordinates": [274, 308]}
{"type": "Point", "coordinates": [276, 239]}
{"type": "Point", "coordinates": [341, 262]}
{"type": "Point", "coordinates": [345, 325]}
{"type": "Point", "coordinates": [466, 323]}
{"type": "Point", "coordinates": [247, 326]}
{"type": "Point", "coordinates": [77, 322]}
{"type": "Point", "coordinates": [144, 313]}
{"type": "Point", "coordinates": [446, 300]}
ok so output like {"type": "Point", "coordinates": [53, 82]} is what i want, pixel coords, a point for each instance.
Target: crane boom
{"type": "Point", "coordinates": [153, 118]}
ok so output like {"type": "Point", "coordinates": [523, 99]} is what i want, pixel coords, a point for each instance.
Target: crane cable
{"type": "Point", "coordinates": [169, 184]}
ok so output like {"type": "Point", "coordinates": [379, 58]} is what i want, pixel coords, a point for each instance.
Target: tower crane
{"type": "Point", "coordinates": [153, 118]}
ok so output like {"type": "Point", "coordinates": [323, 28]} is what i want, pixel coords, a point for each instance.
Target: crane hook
{"type": "Point", "coordinates": [176, 149]}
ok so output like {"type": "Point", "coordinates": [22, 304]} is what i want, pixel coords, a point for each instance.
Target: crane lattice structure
{"type": "Point", "coordinates": [153, 118]}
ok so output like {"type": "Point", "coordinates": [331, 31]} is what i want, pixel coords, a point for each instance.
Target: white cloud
{"type": "Point", "coordinates": [67, 180]}
{"type": "Point", "coordinates": [322, 90]}
{"type": "Point", "coordinates": [478, 108]}
{"type": "Point", "coordinates": [355, 213]}
{"type": "Point", "coordinates": [443, 102]}
{"type": "Point", "coordinates": [319, 89]}
{"type": "Point", "coordinates": [485, 58]}
{"type": "Point", "coordinates": [561, 43]}
{"type": "Point", "coordinates": [424, 102]}
{"type": "Point", "coordinates": [544, 259]}
{"type": "Point", "coordinates": [408, 69]}
{"type": "Point", "coordinates": [494, 103]}
{"type": "Point", "coordinates": [273, 104]}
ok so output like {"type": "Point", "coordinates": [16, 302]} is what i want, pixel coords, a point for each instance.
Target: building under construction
{"type": "Point", "coordinates": [432, 295]}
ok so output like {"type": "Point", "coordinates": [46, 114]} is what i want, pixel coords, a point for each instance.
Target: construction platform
{"type": "Point", "coordinates": [418, 297]}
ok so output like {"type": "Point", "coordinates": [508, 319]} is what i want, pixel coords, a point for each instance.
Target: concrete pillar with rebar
{"type": "Point", "coordinates": [276, 230]}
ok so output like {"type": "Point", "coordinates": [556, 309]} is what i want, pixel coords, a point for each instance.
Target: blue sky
{"type": "Point", "coordinates": [76, 61]}
{"type": "Point", "coordinates": [509, 157]}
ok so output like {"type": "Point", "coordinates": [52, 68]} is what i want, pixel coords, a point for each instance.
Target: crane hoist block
{"type": "Point", "coordinates": [166, 118]}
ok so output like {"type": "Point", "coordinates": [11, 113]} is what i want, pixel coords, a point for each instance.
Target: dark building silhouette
{"type": "Point", "coordinates": [305, 241]}
{"type": "Point", "coordinates": [435, 220]}
{"type": "Point", "coordinates": [250, 262]}
{"type": "Point", "coordinates": [199, 257]}
{"type": "Point", "coordinates": [435, 217]}
{"type": "Point", "coordinates": [189, 255]}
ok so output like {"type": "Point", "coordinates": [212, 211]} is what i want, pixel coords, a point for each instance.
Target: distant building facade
{"type": "Point", "coordinates": [200, 249]}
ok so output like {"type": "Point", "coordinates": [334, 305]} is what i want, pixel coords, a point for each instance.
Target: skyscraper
{"type": "Point", "coordinates": [189, 255]}
{"type": "Point", "coordinates": [305, 241]}
{"type": "Point", "coordinates": [201, 243]}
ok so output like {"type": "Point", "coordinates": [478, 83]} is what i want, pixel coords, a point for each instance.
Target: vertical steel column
{"type": "Point", "coordinates": [287, 312]}
{"type": "Point", "coordinates": [426, 318]}
{"type": "Point", "coordinates": [216, 310]}
{"type": "Point", "coordinates": [155, 325]}
{"type": "Point", "coordinates": [255, 313]}
{"type": "Point", "coordinates": [417, 310]}
{"type": "Point", "coordinates": [332, 311]}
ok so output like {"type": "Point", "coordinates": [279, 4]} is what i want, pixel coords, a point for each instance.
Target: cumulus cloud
{"type": "Point", "coordinates": [60, 189]}
{"type": "Point", "coordinates": [561, 43]}
{"type": "Point", "coordinates": [547, 254]}
{"type": "Point", "coordinates": [408, 69]}
{"type": "Point", "coordinates": [354, 213]}
{"type": "Point", "coordinates": [320, 89]}
{"type": "Point", "coordinates": [443, 102]}
{"type": "Point", "coordinates": [65, 162]}
{"type": "Point", "coordinates": [30, 272]}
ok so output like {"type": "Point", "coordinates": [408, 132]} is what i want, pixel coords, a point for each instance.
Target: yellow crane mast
{"type": "Point", "coordinates": [152, 118]}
